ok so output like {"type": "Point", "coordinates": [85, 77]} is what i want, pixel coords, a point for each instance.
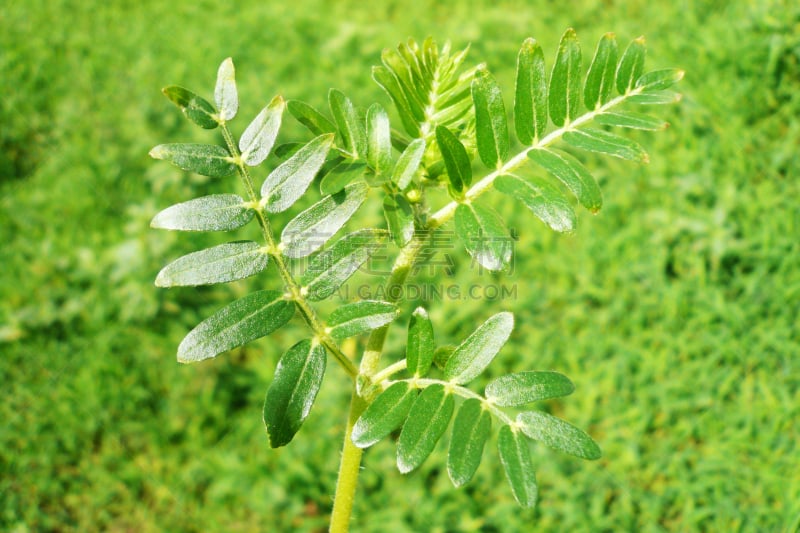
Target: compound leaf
{"type": "Point", "coordinates": [516, 458]}
{"type": "Point", "coordinates": [456, 160]}
{"type": "Point", "coordinates": [399, 218]}
{"type": "Point", "coordinates": [565, 80]}
{"type": "Point", "coordinates": [218, 264]}
{"type": "Point", "coordinates": [331, 268]}
{"type": "Point", "coordinates": [354, 319]}
{"type": "Point", "coordinates": [225, 94]}
{"type": "Point", "coordinates": [420, 346]}
{"type": "Point", "coordinates": [287, 183]}
{"type": "Point", "coordinates": [600, 79]}
{"type": "Point", "coordinates": [472, 356]}
{"type": "Point", "coordinates": [309, 117]}
{"type": "Point", "coordinates": [513, 390]}
{"type": "Point", "coordinates": [572, 174]}
{"type": "Point", "coordinates": [408, 163]}
{"type": "Point", "coordinates": [205, 159]}
{"type": "Point", "coordinates": [491, 124]}
{"type": "Point", "coordinates": [197, 109]}
{"type": "Point", "coordinates": [385, 414]}
{"type": "Point", "coordinates": [631, 65]}
{"type": "Point", "coordinates": [257, 140]}
{"type": "Point", "coordinates": [244, 320]}
{"type": "Point", "coordinates": [471, 428]}
{"type": "Point", "coordinates": [426, 423]}
{"type": "Point", "coordinates": [350, 127]}
{"type": "Point", "coordinates": [530, 102]}
{"type": "Point", "coordinates": [312, 228]}
{"type": "Point", "coordinates": [603, 142]}
{"type": "Point", "coordinates": [635, 121]}
{"type": "Point", "coordinates": [294, 388]}
{"type": "Point", "coordinates": [484, 235]}
{"type": "Point", "coordinates": [218, 212]}
{"type": "Point", "coordinates": [558, 434]}
{"type": "Point", "coordinates": [544, 200]}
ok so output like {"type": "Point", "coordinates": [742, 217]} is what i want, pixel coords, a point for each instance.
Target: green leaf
{"type": "Point", "coordinates": [257, 140]}
{"type": "Point", "coordinates": [491, 124]}
{"type": "Point", "coordinates": [558, 434]}
{"type": "Point", "coordinates": [442, 354]}
{"type": "Point", "coordinates": [343, 174]}
{"type": "Point", "coordinates": [420, 346]}
{"type": "Point", "coordinates": [218, 212]}
{"type": "Point", "coordinates": [631, 65]}
{"type": "Point", "coordinates": [472, 356]}
{"type": "Point", "coordinates": [484, 235]}
{"type": "Point", "coordinates": [350, 127]}
{"type": "Point", "coordinates": [196, 108]}
{"type": "Point", "coordinates": [456, 160]}
{"type": "Point", "coordinates": [218, 264]}
{"type": "Point", "coordinates": [565, 80]}
{"type": "Point", "coordinates": [408, 163]}
{"type": "Point", "coordinates": [312, 228]}
{"type": "Point", "coordinates": [286, 150]}
{"type": "Point", "coordinates": [399, 218]}
{"type": "Point", "coordinates": [426, 423]}
{"type": "Point", "coordinates": [659, 80]}
{"type": "Point", "coordinates": [471, 429]}
{"type": "Point", "coordinates": [409, 83]}
{"type": "Point", "coordinates": [389, 83]}
{"type": "Point", "coordinates": [247, 319]}
{"type": "Point", "coordinates": [287, 183]}
{"type": "Point", "coordinates": [516, 458]}
{"type": "Point", "coordinates": [572, 174]}
{"type": "Point", "coordinates": [354, 319]}
{"type": "Point", "coordinates": [331, 268]}
{"type": "Point", "coordinates": [379, 136]}
{"type": "Point", "coordinates": [655, 98]}
{"type": "Point", "coordinates": [309, 117]}
{"type": "Point", "coordinates": [205, 159]}
{"type": "Point", "coordinates": [513, 390]}
{"type": "Point", "coordinates": [294, 388]}
{"type": "Point", "coordinates": [530, 101]}
{"type": "Point", "coordinates": [600, 79]}
{"type": "Point", "coordinates": [544, 200]}
{"type": "Point", "coordinates": [603, 142]}
{"type": "Point", "coordinates": [385, 414]}
{"type": "Point", "coordinates": [225, 95]}
{"type": "Point", "coordinates": [635, 121]}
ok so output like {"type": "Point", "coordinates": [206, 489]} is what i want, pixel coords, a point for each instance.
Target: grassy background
{"type": "Point", "coordinates": [674, 311]}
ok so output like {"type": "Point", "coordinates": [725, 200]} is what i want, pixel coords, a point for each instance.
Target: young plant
{"type": "Point", "coordinates": [450, 115]}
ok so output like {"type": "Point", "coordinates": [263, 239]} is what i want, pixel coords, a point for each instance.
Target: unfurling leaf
{"type": "Point", "coordinates": [294, 388]}
{"type": "Point", "coordinates": [218, 212]}
{"type": "Point", "coordinates": [399, 218]}
{"type": "Point", "coordinates": [225, 94]}
{"type": "Point", "coordinates": [472, 356]}
{"type": "Point", "coordinates": [558, 434]}
{"type": "Point", "coordinates": [456, 160]}
{"type": "Point", "coordinates": [635, 121]}
{"type": "Point", "coordinates": [309, 117]}
{"type": "Point", "coordinates": [407, 164]}
{"type": "Point", "coordinates": [603, 142]}
{"type": "Point", "coordinates": [350, 127]}
{"type": "Point", "coordinates": [205, 159]}
{"type": "Point", "coordinates": [572, 174]}
{"type": "Point", "coordinates": [312, 228]}
{"type": "Point", "coordinates": [631, 65]}
{"type": "Point", "coordinates": [196, 108]}
{"type": "Point", "coordinates": [385, 414]}
{"type": "Point", "coordinates": [218, 264]}
{"type": "Point", "coordinates": [354, 319]}
{"type": "Point", "coordinates": [247, 319]}
{"type": "Point", "coordinates": [287, 183]}
{"type": "Point", "coordinates": [491, 124]}
{"type": "Point", "coordinates": [530, 101]}
{"type": "Point", "coordinates": [257, 140]}
{"type": "Point", "coordinates": [659, 80]}
{"type": "Point", "coordinates": [388, 82]}
{"type": "Point", "coordinates": [420, 343]}
{"type": "Point", "coordinates": [331, 268]}
{"type": "Point", "coordinates": [565, 80]}
{"type": "Point", "coordinates": [544, 200]}
{"type": "Point", "coordinates": [379, 138]}
{"type": "Point", "coordinates": [484, 235]}
{"type": "Point", "coordinates": [513, 390]}
{"type": "Point", "coordinates": [600, 79]}
{"type": "Point", "coordinates": [471, 429]}
{"type": "Point", "coordinates": [427, 421]}
{"type": "Point", "coordinates": [516, 458]}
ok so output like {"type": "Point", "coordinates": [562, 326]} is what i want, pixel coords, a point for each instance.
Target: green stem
{"type": "Point", "coordinates": [349, 466]}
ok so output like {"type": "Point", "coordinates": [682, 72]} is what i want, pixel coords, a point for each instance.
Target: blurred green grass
{"type": "Point", "coordinates": [674, 311]}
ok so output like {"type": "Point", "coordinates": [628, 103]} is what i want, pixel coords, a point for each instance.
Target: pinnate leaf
{"type": "Point", "coordinates": [655, 98]}
{"type": "Point", "coordinates": [343, 174]}
{"type": "Point", "coordinates": [603, 142]}
{"type": "Point", "coordinates": [558, 434]}
{"type": "Point", "coordinates": [385, 414]}
{"type": "Point", "coordinates": [407, 164]}
{"type": "Point", "coordinates": [516, 458]}
{"type": "Point", "coordinates": [600, 79]}
{"type": "Point", "coordinates": [456, 160]}
{"type": "Point", "coordinates": [379, 137]}
{"type": "Point", "coordinates": [225, 94]}
{"type": "Point", "coordinates": [420, 344]}
{"type": "Point", "coordinates": [530, 102]}
{"type": "Point", "coordinates": [205, 159]}
{"type": "Point", "coordinates": [513, 390]}
{"type": "Point", "coordinates": [544, 200]}
{"type": "Point", "coordinates": [389, 83]}
{"type": "Point", "coordinates": [484, 235]}
{"type": "Point", "coordinates": [399, 218]}
{"type": "Point", "coordinates": [360, 317]}
{"type": "Point", "coordinates": [218, 264]}
{"type": "Point", "coordinates": [294, 388]}
{"type": "Point", "coordinates": [309, 117]}
{"type": "Point", "coordinates": [491, 124]}
{"type": "Point", "coordinates": [217, 212]}
{"type": "Point", "coordinates": [257, 140]}
{"type": "Point", "coordinates": [635, 121]}
{"type": "Point", "coordinates": [244, 320]}
{"type": "Point", "coordinates": [631, 65]}
{"type": "Point", "coordinates": [351, 129]}
{"type": "Point", "coordinates": [658, 80]}
{"type": "Point", "coordinates": [472, 356]}
{"type": "Point", "coordinates": [471, 429]}
{"type": "Point", "coordinates": [565, 80]}
{"type": "Point", "coordinates": [572, 174]}
{"type": "Point", "coordinates": [426, 423]}
{"type": "Point", "coordinates": [196, 108]}
{"type": "Point", "coordinates": [287, 183]}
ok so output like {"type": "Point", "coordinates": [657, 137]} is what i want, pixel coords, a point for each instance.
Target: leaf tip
{"type": "Point", "coordinates": [640, 40]}
{"type": "Point", "coordinates": [157, 152]}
